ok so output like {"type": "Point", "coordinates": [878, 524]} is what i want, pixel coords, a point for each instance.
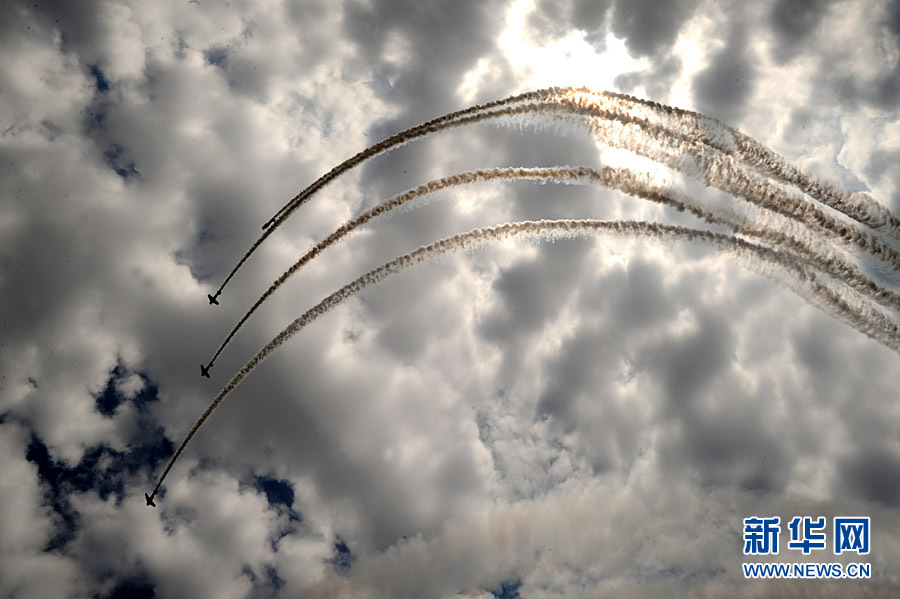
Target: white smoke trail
{"type": "Point", "coordinates": [709, 160]}
{"type": "Point", "coordinates": [714, 133]}
{"type": "Point", "coordinates": [691, 135]}
{"type": "Point", "coordinates": [507, 107]}
{"type": "Point", "coordinates": [669, 136]}
{"type": "Point", "coordinates": [785, 269]}
{"type": "Point", "coordinates": [754, 224]}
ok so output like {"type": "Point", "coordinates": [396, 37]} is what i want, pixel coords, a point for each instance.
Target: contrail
{"type": "Point", "coordinates": [712, 153]}
{"type": "Point", "coordinates": [676, 125]}
{"type": "Point", "coordinates": [709, 162]}
{"type": "Point", "coordinates": [412, 133]}
{"type": "Point", "coordinates": [625, 180]}
{"type": "Point", "coordinates": [637, 134]}
{"type": "Point", "coordinates": [713, 132]}
{"type": "Point", "coordinates": [526, 104]}
{"type": "Point", "coordinates": [785, 269]}
{"type": "Point", "coordinates": [480, 112]}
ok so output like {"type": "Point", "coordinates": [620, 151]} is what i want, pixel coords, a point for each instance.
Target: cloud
{"type": "Point", "coordinates": [27, 524]}
{"type": "Point", "coordinates": [646, 28]}
{"type": "Point", "coordinates": [793, 23]}
{"type": "Point", "coordinates": [722, 89]}
{"type": "Point", "coordinates": [586, 540]}
{"type": "Point", "coordinates": [587, 418]}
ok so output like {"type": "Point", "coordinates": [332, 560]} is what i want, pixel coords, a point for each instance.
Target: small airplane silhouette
{"type": "Point", "coordinates": [212, 299]}
{"type": "Point", "coordinates": [268, 222]}
{"type": "Point", "coordinates": [149, 500]}
{"type": "Point", "coordinates": [204, 371]}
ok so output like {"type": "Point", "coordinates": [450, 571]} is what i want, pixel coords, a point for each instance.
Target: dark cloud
{"type": "Point", "coordinates": [692, 362]}
{"type": "Point", "coordinates": [735, 446]}
{"type": "Point", "coordinates": [657, 80]}
{"type": "Point", "coordinates": [873, 475]}
{"type": "Point", "coordinates": [793, 22]}
{"type": "Point", "coordinates": [549, 21]}
{"type": "Point", "coordinates": [397, 40]}
{"type": "Point", "coordinates": [78, 23]}
{"type": "Point", "coordinates": [396, 37]}
{"type": "Point", "coordinates": [637, 299]}
{"type": "Point", "coordinates": [723, 89]}
{"type": "Point", "coordinates": [650, 28]}
{"type": "Point", "coordinates": [531, 292]}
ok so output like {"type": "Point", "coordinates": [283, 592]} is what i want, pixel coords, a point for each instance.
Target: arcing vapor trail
{"type": "Point", "coordinates": [480, 112]}
{"type": "Point", "coordinates": [645, 129]}
{"type": "Point", "coordinates": [694, 130]}
{"type": "Point", "coordinates": [795, 274]}
{"type": "Point", "coordinates": [794, 228]}
{"type": "Point", "coordinates": [707, 161]}
{"type": "Point", "coordinates": [803, 245]}
{"type": "Point", "coordinates": [713, 132]}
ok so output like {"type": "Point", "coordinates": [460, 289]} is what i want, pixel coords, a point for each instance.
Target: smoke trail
{"type": "Point", "coordinates": [608, 177]}
{"type": "Point", "coordinates": [711, 163]}
{"type": "Point", "coordinates": [717, 154]}
{"type": "Point", "coordinates": [718, 171]}
{"type": "Point", "coordinates": [504, 108]}
{"type": "Point", "coordinates": [620, 179]}
{"type": "Point", "coordinates": [348, 227]}
{"type": "Point", "coordinates": [787, 270]}
{"type": "Point", "coordinates": [530, 103]}
{"type": "Point", "coordinates": [714, 133]}
{"type": "Point", "coordinates": [692, 128]}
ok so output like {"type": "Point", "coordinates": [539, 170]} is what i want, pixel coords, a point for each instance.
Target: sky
{"type": "Point", "coordinates": [591, 417]}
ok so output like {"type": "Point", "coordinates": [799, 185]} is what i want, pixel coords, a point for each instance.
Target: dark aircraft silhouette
{"type": "Point", "coordinates": [212, 299]}
{"type": "Point", "coordinates": [269, 222]}
{"type": "Point", "coordinates": [204, 371]}
{"type": "Point", "coordinates": [149, 500]}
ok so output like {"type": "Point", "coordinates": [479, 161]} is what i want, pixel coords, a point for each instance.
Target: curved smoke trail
{"type": "Point", "coordinates": [797, 242]}
{"type": "Point", "coordinates": [794, 274]}
{"type": "Point", "coordinates": [654, 120]}
{"type": "Point", "coordinates": [506, 107]}
{"type": "Point", "coordinates": [713, 132]}
{"type": "Point", "coordinates": [709, 161]}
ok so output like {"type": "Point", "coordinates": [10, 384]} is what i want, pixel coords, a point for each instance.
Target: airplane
{"type": "Point", "coordinates": [212, 299]}
{"type": "Point", "coordinates": [149, 500]}
{"type": "Point", "coordinates": [268, 222]}
{"type": "Point", "coordinates": [204, 371]}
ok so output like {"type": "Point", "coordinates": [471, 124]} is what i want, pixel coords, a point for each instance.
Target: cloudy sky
{"type": "Point", "coordinates": [587, 418]}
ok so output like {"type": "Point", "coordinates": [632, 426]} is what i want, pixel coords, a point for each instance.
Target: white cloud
{"type": "Point", "coordinates": [27, 526]}
{"type": "Point", "coordinates": [585, 418]}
